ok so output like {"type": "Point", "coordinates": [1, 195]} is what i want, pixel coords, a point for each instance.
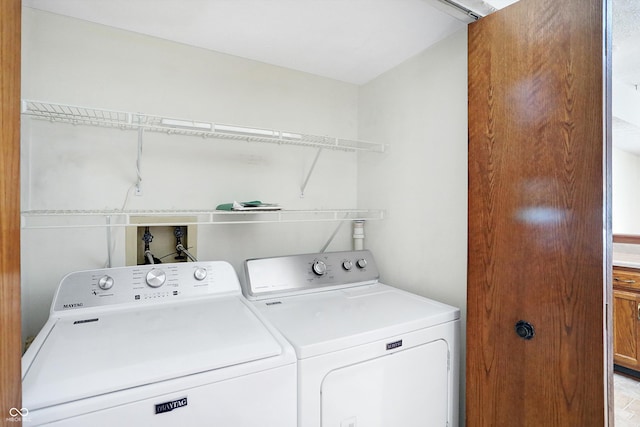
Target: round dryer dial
{"type": "Point", "coordinates": [361, 263]}
{"type": "Point", "coordinates": [319, 267]}
{"type": "Point", "coordinates": [156, 278]}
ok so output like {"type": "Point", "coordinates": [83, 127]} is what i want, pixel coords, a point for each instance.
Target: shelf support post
{"type": "Point", "coordinates": [313, 165]}
{"type": "Point", "coordinates": [109, 244]}
{"type": "Point", "coordinates": [138, 190]}
{"type": "Point", "coordinates": [333, 235]}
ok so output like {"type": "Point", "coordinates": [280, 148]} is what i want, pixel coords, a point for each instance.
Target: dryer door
{"type": "Point", "coordinates": [408, 388]}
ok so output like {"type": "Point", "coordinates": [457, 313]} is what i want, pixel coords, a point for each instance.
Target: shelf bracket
{"type": "Point", "coordinates": [139, 163]}
{"type": "Point", "coordinates": [333, 235]}
{"type": "Point", "coordinates": [109, 244]}
{"type": "Point", "coordinates": [313, 165]}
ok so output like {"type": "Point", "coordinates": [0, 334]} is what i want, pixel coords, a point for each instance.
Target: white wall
{"type": "Point", "coordinates": [626, 102]}
{"type": "Point", "coordinates": [624, 193]}
{"type": "Point", "coordinates": [77, 167]}
{"type": "Point", "coordinates": [420, 107]}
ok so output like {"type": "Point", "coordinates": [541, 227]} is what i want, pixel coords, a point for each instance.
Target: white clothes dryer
{"type": "Point", "coordinates": [158, 345]}
{"type": "Point", "coordinates": [369, 355]}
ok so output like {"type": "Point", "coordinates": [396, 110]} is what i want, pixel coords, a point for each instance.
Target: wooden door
{"type": "Point", "coordinates": [626, 322]}
{"type": "Point", "coordinates": [10, 339]}
{"type": "Point", "coordinates": [538, 222]}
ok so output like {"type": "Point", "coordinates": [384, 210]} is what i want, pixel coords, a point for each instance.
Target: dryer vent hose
{"type": "Point", "coordinates": [358, 235]}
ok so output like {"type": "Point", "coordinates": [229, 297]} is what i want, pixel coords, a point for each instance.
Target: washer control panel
{"type": "Point", "coordinates": [144, 284]}
{"type": "Point", "coordinates": [268, 277]}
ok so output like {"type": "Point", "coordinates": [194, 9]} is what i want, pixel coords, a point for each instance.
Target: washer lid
{"type": "Point", "coordinates": [334, 320]}
{"type": "Point", "coordinates": [122, 349]}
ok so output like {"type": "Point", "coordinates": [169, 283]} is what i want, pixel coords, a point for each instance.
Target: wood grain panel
{"type": "Point", "coordinates": [626, 238]}
{"type": "Point", "coordinates": [625, 328]}
{"type": "Point", "coordinates": [626, 278]}
{"type": "Point", "coordinates": [10, 338]}
{"type": "Point", "coordinates": [536, 215]}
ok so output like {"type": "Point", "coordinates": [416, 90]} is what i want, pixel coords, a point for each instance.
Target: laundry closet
{"type": "Point", "coordinates": [97, 167]}
{"type": "Point", "coordinates": [414, 115]}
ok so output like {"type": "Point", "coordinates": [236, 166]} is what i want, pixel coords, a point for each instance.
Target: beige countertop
{"type": "Point", "coordinates": [626, 255]}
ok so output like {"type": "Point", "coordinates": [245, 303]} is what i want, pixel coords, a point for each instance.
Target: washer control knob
{"type": "Point", "coordinates": [319, 267]}
{"type": "Point", "coordinates": [200, 273]}
{"type": "Point", "coordinates": [347, 265]}
{"type": "Point", "coordinates": [361, 263]}
{"type": "Point", "coordinates": [156, 278]}
{"type": "Point", "coordinates": [105, 282]}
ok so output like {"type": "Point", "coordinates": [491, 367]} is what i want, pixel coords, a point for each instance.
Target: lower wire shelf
{"type": "Point", "coordinates": [43, 219]}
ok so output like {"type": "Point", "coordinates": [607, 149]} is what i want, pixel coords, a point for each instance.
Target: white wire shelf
{"type": "Point", "coordinates": [77, 115]}
{"type": "Point", "coordinates": [44, 219]}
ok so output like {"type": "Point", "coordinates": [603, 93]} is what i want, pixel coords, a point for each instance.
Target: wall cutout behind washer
{"type": "Point", "coordinates": [163, 245]}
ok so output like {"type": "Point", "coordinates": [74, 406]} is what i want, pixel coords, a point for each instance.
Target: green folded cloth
{"type": "Point", "coordinates": [254, 205]}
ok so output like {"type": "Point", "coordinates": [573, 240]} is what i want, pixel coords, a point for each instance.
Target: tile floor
{"type": "Point", "coordinates": [626, 395]}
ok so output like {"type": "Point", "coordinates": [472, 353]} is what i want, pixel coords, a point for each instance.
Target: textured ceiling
{"type": "Point", "coordinates": [626, 135]}
{"type": "Point", "coordinates": [626, 41]}
{"type": "Point", "coordinates": [626, 71]}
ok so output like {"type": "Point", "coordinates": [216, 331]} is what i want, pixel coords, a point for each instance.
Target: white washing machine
{"type": "Point", "coordinates": [163, 345]}
{"type": "Point", "coordinates": [369, 355]}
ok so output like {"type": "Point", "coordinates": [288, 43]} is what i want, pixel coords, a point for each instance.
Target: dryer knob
{"type": "Point", "coordinates": [361, 263]}
{"type": "Point", "coordinates": [200, 273]}
{"type": "Point", "coordinates": [156, 278]}
{"type": "Point", "coordinates": [319, 267]}
{"type": "Point", "coordinates": [347, 265]}
{"type": "Point", "coordinates": [105, 282]}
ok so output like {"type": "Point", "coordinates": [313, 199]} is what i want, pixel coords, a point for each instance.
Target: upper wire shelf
{"type": "Point", "coordinates": [133, 121]}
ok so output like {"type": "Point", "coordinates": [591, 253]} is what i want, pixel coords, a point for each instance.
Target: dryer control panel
{"type": "Point", "coordinates": [296, 274]}
{"type": "Point", "coordinates": [144, 284]}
